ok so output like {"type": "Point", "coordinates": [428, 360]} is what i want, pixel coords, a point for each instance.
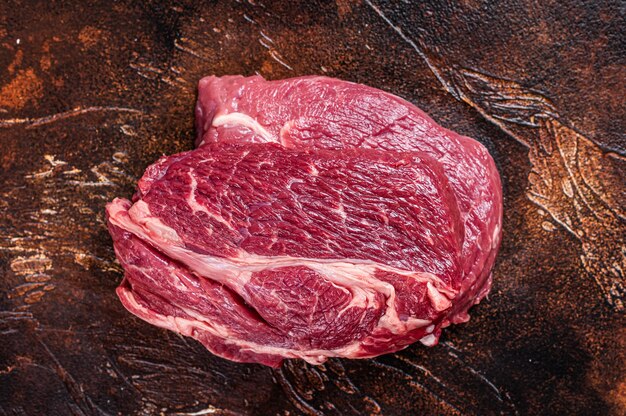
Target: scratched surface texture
{"type": "Point", "coordinates": [93, 92]}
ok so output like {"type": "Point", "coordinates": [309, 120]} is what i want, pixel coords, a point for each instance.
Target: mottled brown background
{"type": "Point", "coordinates": [93, 92]}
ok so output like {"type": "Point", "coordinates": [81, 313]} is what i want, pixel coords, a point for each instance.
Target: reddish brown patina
{"type": "Point", "coordinates": [91, 94]}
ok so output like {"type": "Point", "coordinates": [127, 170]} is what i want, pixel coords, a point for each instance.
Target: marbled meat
{"type": "Point", "coordinates": [316, 218]}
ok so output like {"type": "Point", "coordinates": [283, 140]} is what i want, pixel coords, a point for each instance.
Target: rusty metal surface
{"type": "Point", "coordinates": [90, 94]}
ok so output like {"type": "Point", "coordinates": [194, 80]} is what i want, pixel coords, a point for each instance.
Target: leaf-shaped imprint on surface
{"type": "Point", "coordinates": [578, 183]}
{"type": "Point", "coordinates": [582, 186]}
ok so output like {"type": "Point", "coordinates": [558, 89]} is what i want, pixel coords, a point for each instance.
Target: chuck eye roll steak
{"type": "Point", "coordinates": [316, 218]}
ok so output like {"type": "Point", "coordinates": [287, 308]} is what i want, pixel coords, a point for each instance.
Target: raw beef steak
{"type": "Point", "coordinates": [317, 218]}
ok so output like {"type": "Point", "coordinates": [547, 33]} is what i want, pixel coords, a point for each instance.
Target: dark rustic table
{"type": "Point", "coordinates": [93, 92]}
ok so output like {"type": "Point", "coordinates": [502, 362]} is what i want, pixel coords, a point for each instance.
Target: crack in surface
{"type": "Point", "coordinates": [40, 121]}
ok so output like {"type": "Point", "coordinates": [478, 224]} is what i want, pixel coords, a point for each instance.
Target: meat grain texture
{"type": "Point", "coordinates": [316, 218]}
